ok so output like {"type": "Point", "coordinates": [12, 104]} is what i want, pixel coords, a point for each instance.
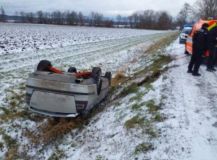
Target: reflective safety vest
{"type": "Point", "coordinates": [212, 24]}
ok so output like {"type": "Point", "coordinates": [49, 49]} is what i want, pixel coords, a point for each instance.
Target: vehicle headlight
{"type": "Point", "coordinates": [183, 36]}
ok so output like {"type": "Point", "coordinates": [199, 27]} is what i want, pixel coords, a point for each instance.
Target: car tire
{"type": "Point", "coordinates": [186, 52]}
{"type": "Point", "coordinates": [99, 87]}
{"type": "Point", "coordinates": [72, 70]}
{"type": "Point", "coordinates": [44, 65]}
{"type": "Point", "coordinates": [96, 75]}
{"type": "Point", "coordinates": [108, 75]}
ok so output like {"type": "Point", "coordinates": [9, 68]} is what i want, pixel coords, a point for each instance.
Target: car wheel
{"type": "Point", "coordinates": [186, 52]}
{"type": "Point", "coordinates": [96, 75]}
{"type": "Point", "coordinates": [99, 87]}
{"type": "Point", "coordinates": [44, 65]}
{"type": "Point", "coordinates": [72, 70]}
{"type": "Point", "coordinates": [108, 75]}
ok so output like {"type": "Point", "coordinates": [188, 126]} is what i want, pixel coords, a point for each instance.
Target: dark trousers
{"type": "Point", "coordinates": [212, 57]}
{"type": "Point", "coordinates": [196, 60]}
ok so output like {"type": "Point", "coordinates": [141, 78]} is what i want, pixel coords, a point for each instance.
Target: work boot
{"type": "Point", "coordinates": [189, 71]}
{"type": "Point", "coordinates": [196, 74]}
{"type": "Point", "coordinates": [209, 69]}
{"type": "Point", "coordinates": [213, 69]}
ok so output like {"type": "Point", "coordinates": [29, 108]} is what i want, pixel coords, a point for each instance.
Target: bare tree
{"type": "Point", "coordinates": [47, 18]}
{"type": "Point", "coordinates": [150, 19]}
{"type": "Point", "coordinates": [164, 21]}
{"type": "Point", "coordinates": [108, 23]}
{"type": "Point", "coordinates": [71, 18]}
{"type": "Point", "coordinates": [57, 17]}
{"type": "Point", "coordinates": [40, 16]}
{"type": "Point", "coordinates": [184, 14]}
{"type": "Point", "coordinates": [2, 15]}
{"type": "Point", "coordinates": [135, 19]}
{"type": "Point", "coordinates": [22, 17]}
{"type": "Point", "coordinates": [29, 17]}
{"type": "Point", "coordinates": [81, 18]}
{"type": "Point", "coordinates": [96, 19]}
{"type": "Point", "coordinates": [147, 19]}
{"type": "Point", "coordinates": [119, 19]}
{"type": "Point", "coordinates": [206, 8]}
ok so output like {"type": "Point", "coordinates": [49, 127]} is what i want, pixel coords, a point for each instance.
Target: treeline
{"type": "Point", "coordinates": [2, 15]}
{"type": "Point", "coordinates": [64, 18]}
{"type": "Point", "coordinates": [148, 19]}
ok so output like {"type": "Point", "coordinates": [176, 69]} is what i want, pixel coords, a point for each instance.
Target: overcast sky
{"type": "Point", "coordinates": [107, 7]}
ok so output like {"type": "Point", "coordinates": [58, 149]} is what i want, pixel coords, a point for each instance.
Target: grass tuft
{"type": "Point", "coordinates": [159, 118]}
{"type": "Point", "coordinates": [137, 97]}
{"type": "Point", "coordinates": [99, 157]}
{"type": "Point", "coordinates": [1, 146]}
{"type": "Point", "coordinates": [118, 79]}
{"type": "Point", "coordinates": [54, 129]}
{"type": "Point", "coordinates": [12, 146]}
{"type": "Point", "coordinates": [57, 155]}
{"type": "Point", "coordinates": [152, 107]}
{"type": "Point", "coordinates": [136, 106]}
{"type": "Point", "coordinates": [13, 114]}
{"type": "Point", "coordinates": [134, 122]}
{"type": "Point", "coordinates": [153, 133]}
{"type": "Point", "coordinates": [143, 148]}
{"type": "Point", "coordinates": [130, 89]}
{"type": "Point", "coordinates": [10, 142]}
{"type": "Point", "coordinates": [148, 86]}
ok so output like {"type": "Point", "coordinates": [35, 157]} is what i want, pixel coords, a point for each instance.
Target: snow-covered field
{"type": "Point", "coordinates": [32, 37]}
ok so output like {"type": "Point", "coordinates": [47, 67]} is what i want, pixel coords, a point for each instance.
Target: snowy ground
{"type": "Point", "coordinates": [112, 49]}
{"type": "Point", "coordinates": [190, 132]}
{"type": "Point", "coordinates": [172, 118]}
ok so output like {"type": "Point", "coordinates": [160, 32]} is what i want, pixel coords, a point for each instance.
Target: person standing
{"type": "Point", "coordinates": [212, 47]}
{"type": "Point", "coordinates": [199, 47]}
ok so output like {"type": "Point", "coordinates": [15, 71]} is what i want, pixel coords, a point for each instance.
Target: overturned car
{"type": "Point", "coordinates": [55, 93]}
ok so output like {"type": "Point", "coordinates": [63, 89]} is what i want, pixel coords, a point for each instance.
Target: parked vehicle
{"type": "Point", "coordinates": [196, 27]}
{"type": "Point", "coordinates": [184, 34]}
{"type": "Point", "coordinates": [52, 92]}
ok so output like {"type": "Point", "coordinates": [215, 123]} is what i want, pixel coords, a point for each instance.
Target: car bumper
{"type": "Point", "coordinates": [53, 114]}
{"type": "Point", "coordinates": [182, 41]}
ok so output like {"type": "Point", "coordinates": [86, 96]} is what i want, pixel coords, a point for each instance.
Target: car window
{"type": "Point", "coordinates": [187, 31]}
